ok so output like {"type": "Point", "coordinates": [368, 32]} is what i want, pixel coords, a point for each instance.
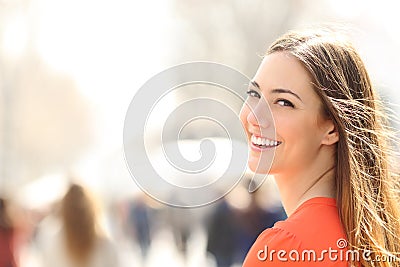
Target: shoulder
{"type": "Point", "coordinates": [279, 247]}
{"type": "Point", "coordinates": [312, 229]}
{"type": "Point", "coordinates": [104, 245]}
{"type": "Point", "coordinates": [316, 223]}
{"type": "Point", "coordinates": [53, 250]}
{"type": "Point", "coordinates": [267, 249]}
{"type": "Point", "coordinates": [104, 253]}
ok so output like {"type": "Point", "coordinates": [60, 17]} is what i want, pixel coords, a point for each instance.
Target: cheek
{"type": "Point", "coordinates": [292, 128]}
{"type": "Point", "coordinates": [301, 137]}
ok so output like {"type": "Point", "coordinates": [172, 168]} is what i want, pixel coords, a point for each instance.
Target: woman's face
{"type": "Point", "coordinates": [282, 117]}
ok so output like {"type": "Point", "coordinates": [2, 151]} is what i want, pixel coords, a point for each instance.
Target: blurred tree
{"type": "Point", "coordinates": [44, 121]}
{"type": "Point", "coordinates": [234, 33]}
{"type": "Point", "coordinates": [51, 119]}
{"type": "Point", "coordinates": [47, 121]}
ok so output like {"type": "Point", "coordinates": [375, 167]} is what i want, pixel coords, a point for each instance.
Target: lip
{"type": "Point", "coordinates": [257, 148]}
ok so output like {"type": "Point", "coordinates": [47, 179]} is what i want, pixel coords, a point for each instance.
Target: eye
{"type": "Point", "coordinates": [284, 103]}
{"type": "Point", "coordinates": [253, 93]}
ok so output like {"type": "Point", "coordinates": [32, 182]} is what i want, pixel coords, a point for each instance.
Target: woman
{"type": "Point", "coordinates": [332, 161]}
{"type": "Point", "coordinates": [7, 237]}
{"type": "Point", "coordinates": [79, 243]}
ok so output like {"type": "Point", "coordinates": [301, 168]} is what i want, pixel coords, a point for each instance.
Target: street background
{"type": "Point", "coordinates": [68, 71]}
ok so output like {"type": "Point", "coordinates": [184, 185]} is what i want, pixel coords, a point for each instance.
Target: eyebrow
{"type": "Point", "coordinates": [255, 84]}
{"type": "Point", "coordinates": [278, 90]}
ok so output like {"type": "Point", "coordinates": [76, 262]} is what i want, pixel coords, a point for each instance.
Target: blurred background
{"type": "Point", "coordinates": [68, 71]}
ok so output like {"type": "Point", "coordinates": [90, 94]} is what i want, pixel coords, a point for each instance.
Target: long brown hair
{"type": "Point", "coordinates": [78, 214]}
{"type": "Point", "coordinates": [366, 178]}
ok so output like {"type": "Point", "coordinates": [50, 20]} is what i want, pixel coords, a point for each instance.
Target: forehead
{"type": "Point", "coordinates": [282, 70]}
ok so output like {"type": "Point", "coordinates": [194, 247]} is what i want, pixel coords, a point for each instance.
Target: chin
{"type": "Point", "coordinates": [258, 169]}
{"type": "Point", "coordinates": [255, 167]}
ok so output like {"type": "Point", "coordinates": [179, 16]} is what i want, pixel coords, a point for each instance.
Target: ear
{"type": "Point", "coordinates": [331, 135]}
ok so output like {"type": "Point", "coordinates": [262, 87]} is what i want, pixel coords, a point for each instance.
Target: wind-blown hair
{"type": "Point", "coordinates": [365, 174]}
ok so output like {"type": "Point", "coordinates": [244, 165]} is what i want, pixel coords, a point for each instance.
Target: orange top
{"type": "Point", "coordinates": [311, 236]}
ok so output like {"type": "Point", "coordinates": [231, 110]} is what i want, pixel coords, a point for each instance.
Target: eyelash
{"type": "Point", "coordinates": [286, 103]}
{"type": "Point", "coordinates": [253, 93]}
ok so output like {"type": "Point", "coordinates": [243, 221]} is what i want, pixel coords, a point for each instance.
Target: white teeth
{"type": "Point", "coordinates": [263, 141]}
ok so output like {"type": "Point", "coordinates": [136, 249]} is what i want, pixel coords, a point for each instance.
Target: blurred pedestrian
{"type": "Point", "coordinates": [79, 242]}
{"type": "Point", "coordinates": [7, 237]}
{"type": "Point", "coordinates": [221, 234]}
{"type": "Point", "coordinates": [139, 223]}
{"type": "Point", "coordinates": [251, 221]}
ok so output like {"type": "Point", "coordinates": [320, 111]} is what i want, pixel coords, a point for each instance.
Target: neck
{"type": "Point", "coordinates": [298, 188]}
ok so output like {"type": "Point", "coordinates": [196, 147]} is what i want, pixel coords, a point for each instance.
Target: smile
{"type": "Point", "coordinates": [262, 142]}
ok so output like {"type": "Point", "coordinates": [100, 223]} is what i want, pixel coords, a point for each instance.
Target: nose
{"type": "Point", "coordinates": [260, 115]}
